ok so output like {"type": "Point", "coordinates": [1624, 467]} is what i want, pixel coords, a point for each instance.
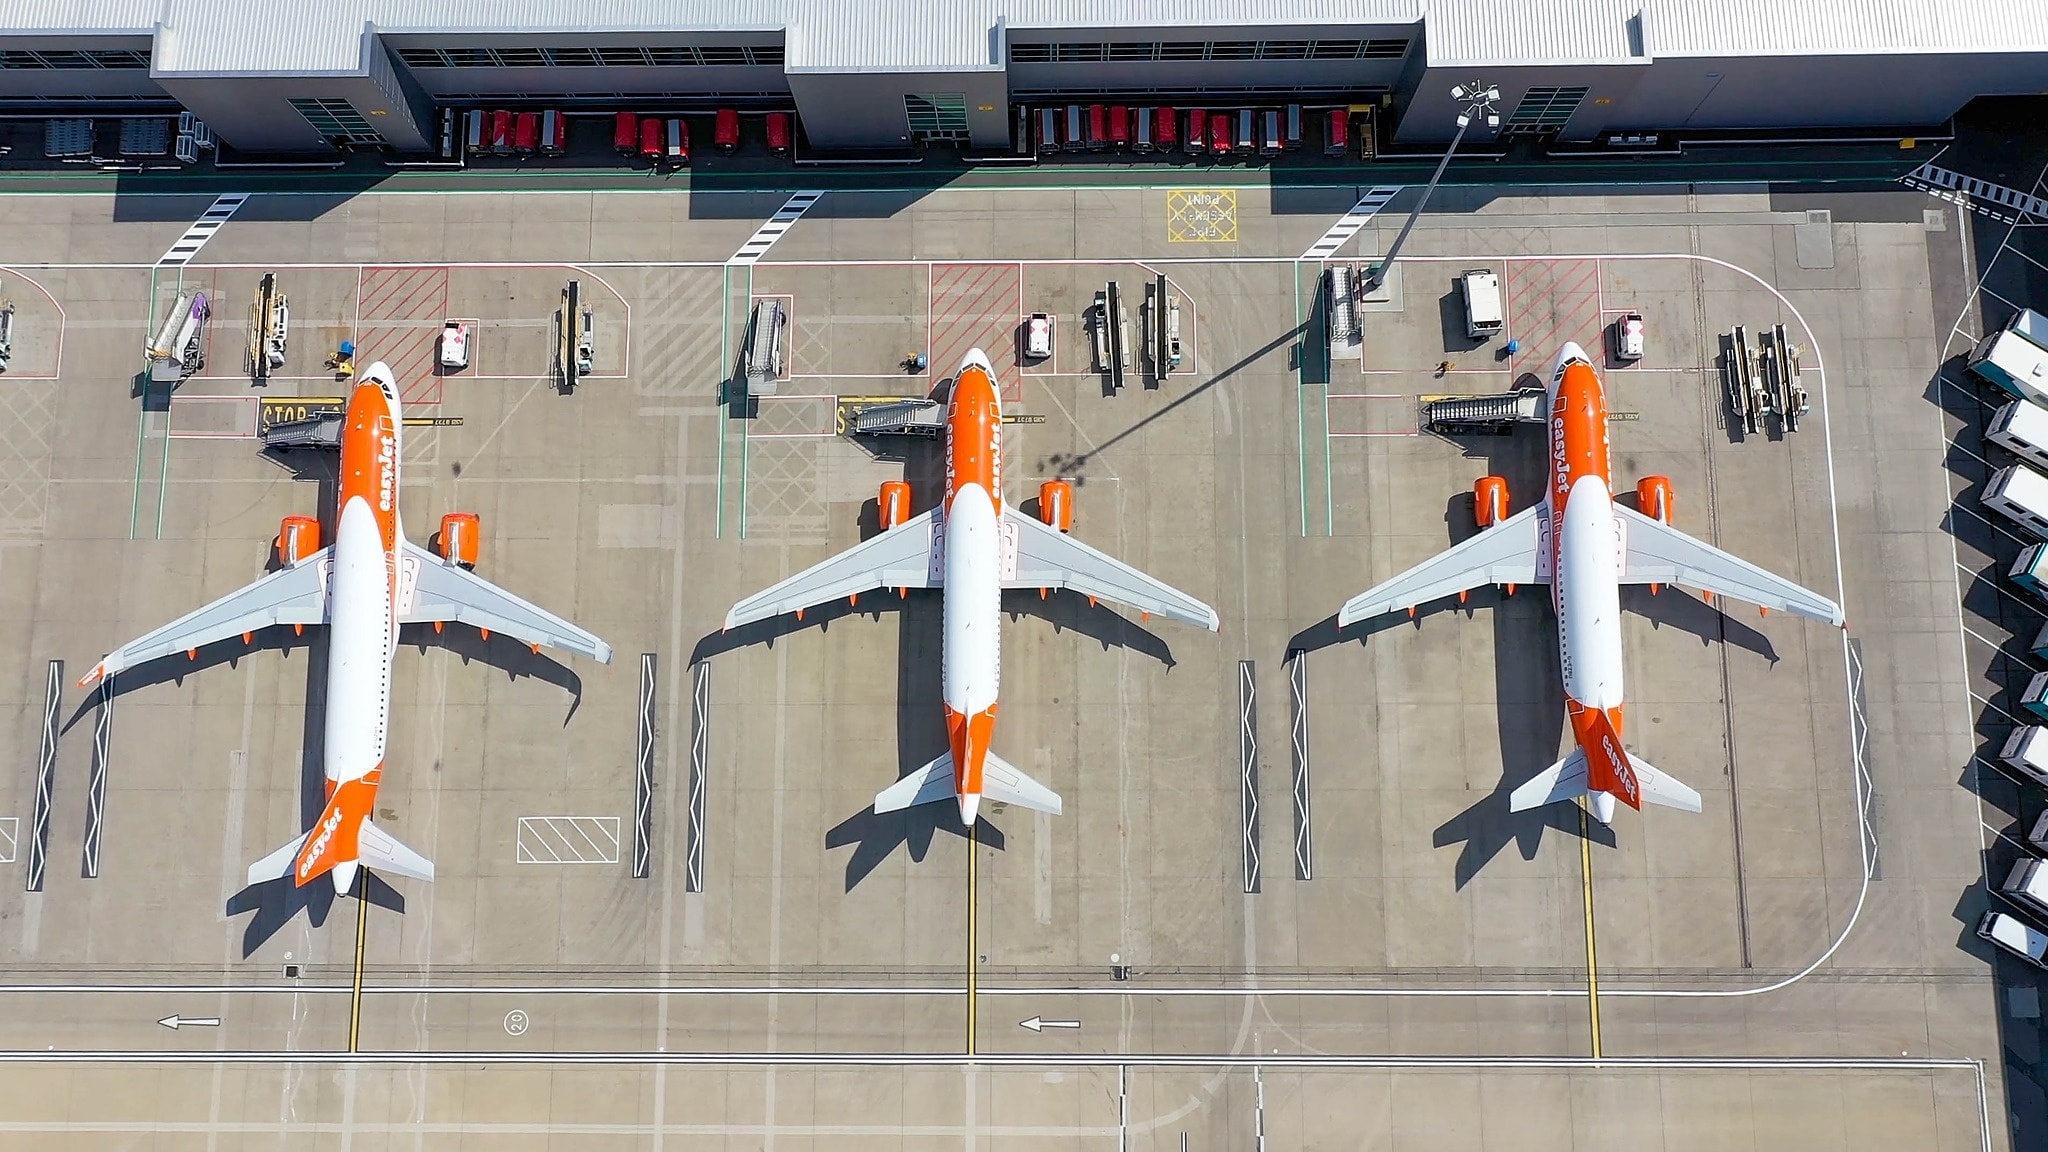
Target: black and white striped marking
{"type": "Point", "coordinates": [1993, 200]}
{"type": "Point", "coordinates": [765, 237]}
{"type": "Point", "coordinates": [203, 229]}
{"type": "Point", "coordinates": [1348, 225]}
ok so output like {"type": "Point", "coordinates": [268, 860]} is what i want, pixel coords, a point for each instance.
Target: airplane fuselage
{"type": "Point", "coordinates": [972, 548]}
{"type": "Point", "coordinates": [363, 602]}
{"type": "Point", "coordinates": [1585, 566]}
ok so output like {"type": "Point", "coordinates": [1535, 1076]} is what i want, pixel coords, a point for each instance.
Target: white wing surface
{"type": "Point", "coordinates": [295, 595]}
{"type": "Point", "coordinates": [1502, 554]}
{"type": "Point", "coordinates": [1661, 554]}
{"type": "Point", "coordinates": [1049, 558]}
{"type": "Point", "coordinates": [445, 592]}
{"type": "Point", "coordinates": [898, 558]}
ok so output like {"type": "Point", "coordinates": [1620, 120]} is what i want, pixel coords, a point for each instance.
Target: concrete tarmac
{"type": "Point", "coordinates": [1352, 941]}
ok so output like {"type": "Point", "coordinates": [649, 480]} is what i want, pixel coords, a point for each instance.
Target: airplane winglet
{"type": "Point", "coordinates": [99, 673]}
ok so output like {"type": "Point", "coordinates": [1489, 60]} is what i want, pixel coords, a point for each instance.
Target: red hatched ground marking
{"type": "Point", "coordinates": [977, 306]}
{"type": "Point", "coordinates": [1550, 302]}
{"type": "Point", "coordinates": [398, 320]}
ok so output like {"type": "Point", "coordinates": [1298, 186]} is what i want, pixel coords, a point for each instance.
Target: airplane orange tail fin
{"type": "Point", "coordinates": [333, 837]}
{"type": "Point", "coordinates": [1607, 766]}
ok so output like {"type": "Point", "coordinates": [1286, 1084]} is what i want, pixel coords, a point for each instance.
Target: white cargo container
{"type": "Point", "coordinates": [1483, 317]}
{"type": "Point", "coordinates": [2027, 884]}
{"type": "Point", "coordinates": [2038, 835]}
{"type": "Point", "coordinates": [2016, 357]}
{"type": "Point", "coordinates": [2021, 428]}
{"type": "Point", "coordinates": [2020, 494]}
{"type": "Point", "coordinates": [2026, 752]}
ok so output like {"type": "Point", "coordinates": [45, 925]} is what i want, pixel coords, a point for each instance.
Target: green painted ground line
{"type": "Point", "coordinates": [724, 389]}
{"type": "Point", "coordinates": [141, 415]}
{"type": "Point", "coordinates": [1300, 409]}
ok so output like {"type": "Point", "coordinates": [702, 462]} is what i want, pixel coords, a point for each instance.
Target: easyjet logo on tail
{"type": "Point", "coordinates": [317, 846]}
{"type": "Point", "coordinates": [1618, 768]}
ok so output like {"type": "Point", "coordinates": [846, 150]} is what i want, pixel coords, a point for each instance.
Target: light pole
{"type": "Point", "coordinates": [1478, 99]}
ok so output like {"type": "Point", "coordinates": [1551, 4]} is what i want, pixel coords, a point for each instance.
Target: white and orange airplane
{"type": "Point", "coordinates": [974, 547]}
{"type": "Point", "coordinates": [1585, 546]}
{"type": "Point", "coordinates": [371, 581]}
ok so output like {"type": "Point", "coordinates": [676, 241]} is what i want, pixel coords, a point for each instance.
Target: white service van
{"type": "Point", "coordinates": [2021, 428]}
{"type": "Point", "coordinates": [2015, 936]}
{"type": "Point", "coordinates": [2026, 752]}
{"type": "Point", "coordinates": [2020, 494]}
{"type": "Point", "coordinates": [1481, 289]}
{"type": "Point", "coordinates": [2027, 884]}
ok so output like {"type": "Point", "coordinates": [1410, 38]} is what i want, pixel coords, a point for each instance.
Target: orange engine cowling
{"type": "Point", "coordinates": [297, 538]}
{"type": "Point", "coordinates": [459, 538]}
{"type": "Point", "coordinates": [1490, 500]}
{"type": "Point", "coordinates": [1056, 504]}
{"type": "Point", "coordinates": [892, 507]}
{"type": "Point", "coordinates": [1653, 497]}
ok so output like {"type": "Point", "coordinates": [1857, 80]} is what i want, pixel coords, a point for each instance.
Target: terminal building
{"type": "Point", "coordinates": [310, 76]}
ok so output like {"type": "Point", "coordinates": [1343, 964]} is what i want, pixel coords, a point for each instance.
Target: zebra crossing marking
{"type": "Point", "coordinates": [1348, 224]}
{"type": "Point", "coordinates": [765, 237]}
{"type": "Point", "coordinates": [202, 229]}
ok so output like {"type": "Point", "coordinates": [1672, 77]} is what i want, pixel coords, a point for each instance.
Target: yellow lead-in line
{"type": "Point", "coordinates": [973, 927]}
{"type": "Point", "coordinates": [355, 1000]}
{"type": "Point", "coordinates": [1592, 963]}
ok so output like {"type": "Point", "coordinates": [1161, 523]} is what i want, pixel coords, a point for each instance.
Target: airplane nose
{"type": "Point", "coordinates": [978, 359]}
{"type": "Point", "coordinates": [970, 804]}
{"type": "Point", "coordinates": [1571, 351]}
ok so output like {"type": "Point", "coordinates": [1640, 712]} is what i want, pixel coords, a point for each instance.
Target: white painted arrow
{"type": "Point", "coordinates": [175, 1021]}
{"type": "Point", "coordinates": [1037, 1024]}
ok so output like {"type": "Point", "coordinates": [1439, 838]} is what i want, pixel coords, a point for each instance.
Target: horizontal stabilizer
{"type": "Point", "coordinates": [376, 848]}
{"type": "Point", "coordinates": [278, 864]}
{"type": "Point", "coordinates": [1566, 780]}
{"type": "Point", "coordinates": [1002, 783]}
{"type": "Point", "coordinates": [1659, 788]}
{"type": "Point", "coordinates": [928, 785]}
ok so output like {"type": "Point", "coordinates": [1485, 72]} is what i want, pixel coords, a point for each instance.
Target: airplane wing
{"type": "Point", "coordinates": [446, 592]}
{"type": "Point", "coordinates": [1502, 554]}
{"type": "Point", "coordinates": [1661, 554]}
{"type": "Point", "coordinates": [1049, 558]}
{"type": "Point", "coordinates": [294, 595]}
{"type": "Point", "coordinates": [898, 558]}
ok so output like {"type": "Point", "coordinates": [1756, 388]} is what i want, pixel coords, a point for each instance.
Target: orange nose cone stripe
{"type": "Point", "coordinates": [968, 735]}
{"type": "Point", "coordinates": [974, 436]}
{"type": "Point", "coordinates": [369, 459]}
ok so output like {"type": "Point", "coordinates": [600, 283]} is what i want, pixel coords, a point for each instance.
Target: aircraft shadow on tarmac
{"type": "Point", "coordinates": [920, 732]}
{"type": "Point", "coordinates": [276, 902]}
{"type": "Point", "coordinates": [1529, 694]}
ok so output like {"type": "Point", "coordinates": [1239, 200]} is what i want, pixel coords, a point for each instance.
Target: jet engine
{"type": "Point", "coordinates": [1056, 504]}
{"type": "Point", "coordinates": [1653, 497]}
{"type": "Point", "coordinates": [459, 538]}
{"type": "Point", "coordinates": [297, 538]}
{"type": "Point", "coordinates": [892, 507]}
{"type": "Point", "coordinates": [1490, 500]}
